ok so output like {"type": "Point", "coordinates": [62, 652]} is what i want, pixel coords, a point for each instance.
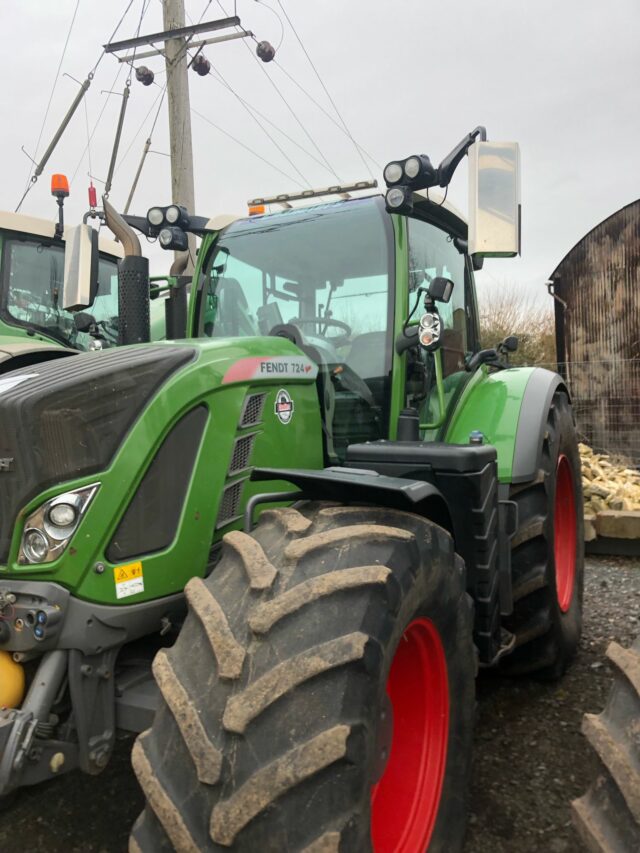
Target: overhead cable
{"type": "Point", "coordinates": [220, 79]}
{"type": "Point", "coordinates": [246, 147]}
{"type": "Point", "coordinates": [288, 106]}
{"type": "Point", "coordinates": [328, 114]}
{"type": "Point", "coordinates": [69, 115]}
{"type": "Point", "coordinates": [53, 88]}
{"type": "Point", "coordinates": [264, 130]}
{"type": "Point", "coordinates": [326, 91]}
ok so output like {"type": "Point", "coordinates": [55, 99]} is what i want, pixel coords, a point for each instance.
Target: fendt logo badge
{"type": "Point", "coordinates": [284, 406]}
{"type": "Point", "coordinates": [6, 463]}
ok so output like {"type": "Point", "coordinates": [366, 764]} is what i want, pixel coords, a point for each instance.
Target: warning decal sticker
{"type": "Point", "coordinates": [129, 579]}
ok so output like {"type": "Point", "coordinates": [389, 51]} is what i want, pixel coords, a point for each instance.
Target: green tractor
{"type": "Point", "coordinates": [281, 548]}
{"type": "Point", "coordinates": [59, 289]}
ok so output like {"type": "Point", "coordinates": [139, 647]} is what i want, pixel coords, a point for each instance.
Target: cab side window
{"type": "Point", "coordinates": [432, 253]}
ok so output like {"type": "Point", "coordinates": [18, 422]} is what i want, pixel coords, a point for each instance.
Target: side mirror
{"type": "Point", "coordinates": [83, 321]}
{"type": "Point", "coordinates": [80, 283]}
{"type": "Point", "coordinates": [440, 289]}
{"type": "Point", "coordinates": [494, 199]}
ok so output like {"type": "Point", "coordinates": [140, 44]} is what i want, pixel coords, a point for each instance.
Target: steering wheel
{"type": "Point", "coordinates": [338, 340]}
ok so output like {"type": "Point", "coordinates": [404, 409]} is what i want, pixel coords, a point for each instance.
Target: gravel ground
{"type": "Point", "coordinates": [530, 759]}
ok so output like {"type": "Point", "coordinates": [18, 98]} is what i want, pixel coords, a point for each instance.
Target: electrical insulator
{"type": "Point", "coordinates": [144, 75]}
{"type": "Point", "coordinates": [201, 65]}
{"type": "Point", "coordinates": [265, 51]}
{"type": "Point", "coordinates": [93, 199]}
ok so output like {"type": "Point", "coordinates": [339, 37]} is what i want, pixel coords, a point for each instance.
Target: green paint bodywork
{"type": "Point", "coordinates": [296, 444]}
{"type": "Point", "coordinates": [488, 402]}
{"type": "Point", "coordinates": [491, 403]}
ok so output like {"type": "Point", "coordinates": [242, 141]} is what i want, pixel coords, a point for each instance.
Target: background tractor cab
{"type": "Point", "coordinates": [58, 288]}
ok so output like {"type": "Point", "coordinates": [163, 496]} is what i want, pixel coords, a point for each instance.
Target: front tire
{"type": "Point", "coordinates": [547, 556]}
{"type": "Point", "coordinates": [322, 642]}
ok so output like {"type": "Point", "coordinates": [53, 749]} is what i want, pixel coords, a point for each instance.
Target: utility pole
{"type": "Point", "coordinates": [176, 61]}
{"type": "Point", "coordinates": [176, 38]}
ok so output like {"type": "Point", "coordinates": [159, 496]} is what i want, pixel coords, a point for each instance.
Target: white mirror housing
{"type": "Point", "coordinates": [80, 268]}
{"type": "Point", "coordinates": [494, 199]}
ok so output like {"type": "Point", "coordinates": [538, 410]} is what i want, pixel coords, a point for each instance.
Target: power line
{"type": "Point", "coordinates": [263, 129]}
{"type": "Point", "coordinates": [326, 91]}
{"type": "Point", "coordinates": [286, 103]}
{"type": "Point", "coordinates": [53, 88]}
{"type": "Point", "coordinates": [328, 114]}
{"type": "Point", "coordinates": [273, 124]}
{"type": "Point", "coordinates": [110, 39]}
{"type": "Point", "coordinates": [246, 147]}
{"type": "Point", "coordinates": [97, 122]}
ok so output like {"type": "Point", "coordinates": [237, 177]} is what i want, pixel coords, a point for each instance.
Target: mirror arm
{"type": "Point", "coordinates": [450, 163]}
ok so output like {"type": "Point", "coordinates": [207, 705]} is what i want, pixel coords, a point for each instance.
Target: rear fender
{"type": "Point", "coordinates": [510, 408]}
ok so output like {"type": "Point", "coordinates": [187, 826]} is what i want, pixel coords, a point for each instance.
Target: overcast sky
{"type": "Point", "coordinates": [561, 77]}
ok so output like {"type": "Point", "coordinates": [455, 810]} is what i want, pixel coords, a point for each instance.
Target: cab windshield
{"type": "Point", "coordinates": [32, 279]}
{"type": "Point", "coordinates": [321, 276]}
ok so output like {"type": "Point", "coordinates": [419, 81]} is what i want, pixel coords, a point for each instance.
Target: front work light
{"type": "Point", "coordinates": [173, 238]}
{"type": "Point", "coordinates": [416, 171]}
{"type": "Point", "coordinates": [393, 173]}
{"type": "Point", "coordinates": [399, 200]}
{"type": "Point", "coordinates": [155, 216]}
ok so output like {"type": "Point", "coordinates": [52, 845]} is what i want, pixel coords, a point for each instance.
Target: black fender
{"type": "Point", "coordinates": [356, 485]}
{"type": "Point", "coordinates": [536, 400]}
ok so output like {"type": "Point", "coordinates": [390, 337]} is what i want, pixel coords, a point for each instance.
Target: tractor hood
{"type": "Point", "coordinates": [111, 416]}
{"type": "Point", "coordinates": [16, 352]}
{"type": "Point", "coordinates": [57, 424]}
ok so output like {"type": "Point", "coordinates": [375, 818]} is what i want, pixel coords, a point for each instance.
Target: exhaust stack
{"type": "Point", "coordinates": [133, 282]}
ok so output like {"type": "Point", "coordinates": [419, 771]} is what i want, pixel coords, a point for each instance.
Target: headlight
{"type": "Point", "coordinates": [172, 214]}
{"type": "Point", "coordinates": [62, 515]}
{"type": "Point", "coordinates": [49, 528]}
{"type": "Point", "coordinates": [412, 167]}
{"type": "Point", "coordinates": [165, 237]}
{"type": "Point", "coordinates": [393, 173]}
{"type": "Point", "coordinates": [35, 546]}
{"type": "Point", "coordinates": [399, 200]}
{"type": "Point", "coordinates": [155, 216]}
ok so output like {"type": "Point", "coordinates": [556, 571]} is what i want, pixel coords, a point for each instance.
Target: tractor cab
{"type": "Point", "coordinates": [337, 279]}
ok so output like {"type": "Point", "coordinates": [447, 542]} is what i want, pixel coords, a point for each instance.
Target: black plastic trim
{"type": "Point", "coordinates": [536, 401]}
{"type": "Point", "coordinates": [352, 484]}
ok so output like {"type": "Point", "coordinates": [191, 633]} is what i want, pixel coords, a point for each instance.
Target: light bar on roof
{"type": "Point", "coordinates": [341, 189]}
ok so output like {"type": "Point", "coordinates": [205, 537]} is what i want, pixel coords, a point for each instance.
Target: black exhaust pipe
{"type": "Point", "coordinates": [134, 324]}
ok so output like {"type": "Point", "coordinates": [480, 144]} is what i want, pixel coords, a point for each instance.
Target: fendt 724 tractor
{"type": "Point", "coordinates": [281, 548]}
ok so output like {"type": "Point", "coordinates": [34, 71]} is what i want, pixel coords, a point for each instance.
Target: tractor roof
{"type": "Point", "coordinates": [24, 224]}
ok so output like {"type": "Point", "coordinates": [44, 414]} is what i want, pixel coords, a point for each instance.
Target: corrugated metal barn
{"type": "Point", "coordinates": [597, 311]}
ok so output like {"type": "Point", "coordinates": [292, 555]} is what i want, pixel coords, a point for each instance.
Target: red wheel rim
{"type": "Point", "coordinates": [564, 545]}
{"type": "Point", "coordinates": [404, 802]}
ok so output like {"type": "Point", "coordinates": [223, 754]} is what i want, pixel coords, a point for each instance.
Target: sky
{"type": "Point", "coordinates": [560, 77]}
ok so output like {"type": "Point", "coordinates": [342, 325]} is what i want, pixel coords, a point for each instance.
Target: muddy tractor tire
{"type": "Point", "coordinates": [320, 696]}
{"type": "Point", "coordinates": [547, 555]}
{"type": "Point", "coordinates": [607, 817]}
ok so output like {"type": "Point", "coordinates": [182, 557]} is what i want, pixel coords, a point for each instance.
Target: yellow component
{"type": "Point", "coordinates": [11, 681]}
{"type": "Point", "coordinates": [127, 573]}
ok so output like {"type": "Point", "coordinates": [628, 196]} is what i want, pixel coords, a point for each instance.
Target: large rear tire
{"type": "Point", "coordinates": [608, 815]}
{"type": "Point", "coordinates": [320, 696]}
{"type": "Point", "coordinates": [547, 556]}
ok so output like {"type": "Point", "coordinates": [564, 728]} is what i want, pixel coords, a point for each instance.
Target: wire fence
{"type": "Point", "coordinates": [606, 404]}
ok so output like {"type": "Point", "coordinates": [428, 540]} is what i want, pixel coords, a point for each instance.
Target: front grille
{"type": "Point", "coordinates": [252, 410]}
{"type": "Point", "coordinates": [241, 453]}
{"type": "Point", "coordinates": [230, 503]}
